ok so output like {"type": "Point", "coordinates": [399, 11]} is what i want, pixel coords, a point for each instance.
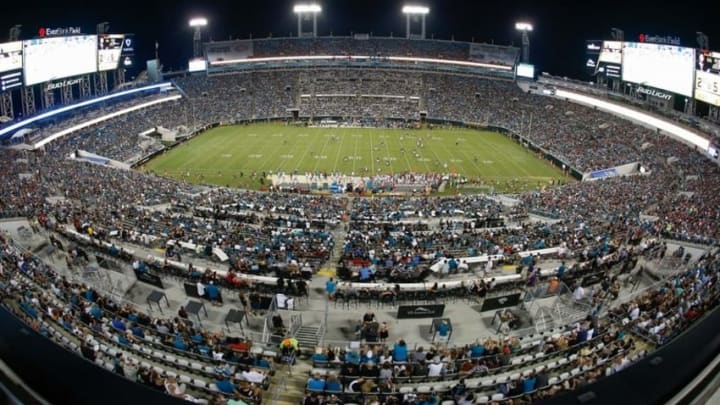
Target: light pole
{"type": "Point", "coordinates": [525, 28]}
{"type": "Point", "coordinates": [103, 28]}
{"type": "Point", "coordinates": [415, 12]}
{"type": "Point", "coordinates": [198, 23]}
{"type": "Point", "coordinates": [307, 11]}
{"type": "Point", "coordinates": [702, 40]}
{"type": "Point", "coordinates": [15, 31]}
{"type": "Point", "coordinates": [617, 34]}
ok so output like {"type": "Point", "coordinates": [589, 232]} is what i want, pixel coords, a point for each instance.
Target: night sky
{"type": "Point", "coordinates": [557, 44]}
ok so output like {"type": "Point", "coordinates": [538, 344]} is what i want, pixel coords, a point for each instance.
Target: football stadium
{"type": "Point", "coordinates": [356, 217]}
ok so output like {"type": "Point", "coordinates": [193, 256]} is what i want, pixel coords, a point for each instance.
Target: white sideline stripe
{"type": "Point", "coordinates": [345, 57]}
{"type": "Point", "coordinates": [94, 121]}
{"type": "Point", "coordinates": [645, 118]}
{"type": "Point", "coordinates": [78, 105]}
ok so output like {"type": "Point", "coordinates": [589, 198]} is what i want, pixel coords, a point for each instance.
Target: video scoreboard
{"type": "Point", "coordinates": [707, 78]}
{"type": "Point", "coordinates": [10, 65]}
{"type": "Point", "coordinates": [47, 59]}
{"type": "Point", "coordinates": [610, 60]}
{"type": "Point", "coordinates": [115, 51]}
{"type": "Point", "coordinates": [659, 69]}
{"type": "Point", "coordinates": [665, 67]}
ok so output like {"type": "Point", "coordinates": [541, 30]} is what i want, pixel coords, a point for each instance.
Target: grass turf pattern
{"type": "Point", "coordinates": [230, 155]}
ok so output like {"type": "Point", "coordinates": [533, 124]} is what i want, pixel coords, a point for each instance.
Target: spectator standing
{"type": "Point", "coordinates": [330, 287]}
{"type": "Point", "coordinates": [213, 294]}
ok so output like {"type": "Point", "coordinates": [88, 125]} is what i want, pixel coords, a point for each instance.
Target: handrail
{"type": "Point", "coordinates": [266, 332]}
{"type": "Point", "coordinates": [320, 334]}
{"type": "Point", "coordinates": [295, 324]}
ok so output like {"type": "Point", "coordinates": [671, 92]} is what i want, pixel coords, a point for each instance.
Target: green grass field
{"type": "Point", "coordinates": [228, 156]}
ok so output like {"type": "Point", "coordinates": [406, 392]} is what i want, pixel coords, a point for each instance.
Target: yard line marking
{"type": "Point", "coordinates": [355, 155]}
{"type": "Point", "coordinates": [372, 157]}
{"type": "Point", "coordinates": [387, 148]}
{"type": "Point", "coordinates": [437, 158]}
{"type": "Point", "coordinates": [322, 152]}
{"type": "Point", "coordinates": [339, 151]}
{"type": "Point", "coordinates": [308, 147]}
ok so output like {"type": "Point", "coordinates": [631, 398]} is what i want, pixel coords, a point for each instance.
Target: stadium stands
{"type": "Point", "coordinates": [604, 226]}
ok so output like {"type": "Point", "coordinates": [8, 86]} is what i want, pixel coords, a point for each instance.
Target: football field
{"type": "Point", "coordinates": [237, 156]}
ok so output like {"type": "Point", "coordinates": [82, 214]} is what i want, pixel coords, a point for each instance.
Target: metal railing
{"type": "Point", "coordinates": [320, 334]}
{"type": "Point", "coordinates": [267, 330]}
{"type": "Point", "coordinates": [295, 324]}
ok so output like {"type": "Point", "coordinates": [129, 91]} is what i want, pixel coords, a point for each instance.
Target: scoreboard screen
{"type": "Point", "coordinates": [48, 59]}
{"type": "Point", "coordinates": [707, 77]}
{"type": "Point", "coordinates": [525, 70]}
{"type": "Point", "coordinates": [10, 56]}
{"type": "Point", "coordinates": [109, 51]}
{"type": "Point", "coordinates": [115, 51]}
{"type": "Point", "coordinates": [707, 87]}
{"type": "Point", "coordinates": [611, 52]}
{"type": "Point", "coordinates": [709, 62]}
{"type": "Point", "coordinates": [610, 60]}
{"type": "Point", "coordinates": [10, 65]}
{"type": "Point", "coordinates": [197, 65]}
{"type": "Point", "coordinates": [665, 67]}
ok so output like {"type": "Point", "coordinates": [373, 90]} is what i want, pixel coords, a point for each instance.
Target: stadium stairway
{"type": "Point", "coordinates": [307, 337]}
{"type": "Point", "coordinates": [328, 268]}
{"type": "Point", "coordinates": [287, 387]}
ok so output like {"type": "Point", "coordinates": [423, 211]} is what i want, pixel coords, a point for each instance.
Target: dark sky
{"type": "Point", "coordinates": [557, 44]}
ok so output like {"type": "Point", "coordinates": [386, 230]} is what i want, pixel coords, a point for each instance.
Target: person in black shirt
{"type": "Point", "coordinates": [245, 359]}
{"type": "Point", "coordinates": [368, 317]}
{"type": "Point", "coordinates": [311, 399]}
{"type": "Point", "coordinates": [355, 386]}
{"type": "Point", "coordinates": [87, 351]}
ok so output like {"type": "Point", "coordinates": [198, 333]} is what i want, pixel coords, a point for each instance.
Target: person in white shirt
{"type": "Point", "coordinates": [435, 369]}
{"type": "Point", "coordinates": [445, 268]}
{"type": "Point", "coordinates": [200, 289]}
{"type": "Point", "coordinates": [284, 302]}
{"type": "Point", "coordinates": [253, 376]}
{"type": "Point", "coordinates": [579, 293]}
{"type": "Point", "coordinates": [463, 266]}
{"type": "Point", "coordinates": [634, 313]}
{"type": "Point", "coordinates": [173, 388]}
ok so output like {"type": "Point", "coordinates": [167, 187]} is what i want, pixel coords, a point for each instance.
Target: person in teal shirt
{"type": "Point", "coordinates": [330, 287]}
{"type": "Point", "coordinates": [400, 351]}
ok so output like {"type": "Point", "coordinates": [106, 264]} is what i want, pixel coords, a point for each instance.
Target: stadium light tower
{"type": "Point", "coordinates": [306, 12]}
{"type": "Point", "coordinates": [416, 13]}
{"type": "Point", "coordinates": [525, 28]}
{"type": "Point", "coordinates": [14, 33]}
{"type": "Point", "coordinates": [198, 23]}
{"type": "Point", "coordinates": [617, 34]}
{"type": "Point", "coordinates": [702, 40]}
{"type": "Point", "coordinates": [103, 28]}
